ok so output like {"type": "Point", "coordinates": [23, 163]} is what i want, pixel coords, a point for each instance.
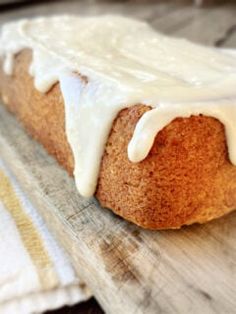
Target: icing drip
{"type": "Point", "coordinates": [175, 77]}
{"type": "Point", "coordinates": [155, 120]}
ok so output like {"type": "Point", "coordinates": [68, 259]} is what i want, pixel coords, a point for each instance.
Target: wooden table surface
{"type": "Point", "coordinates": [131, 270]}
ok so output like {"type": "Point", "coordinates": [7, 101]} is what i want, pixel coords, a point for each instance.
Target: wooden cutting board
{"type": "Point", "coordinates": [130, 270]}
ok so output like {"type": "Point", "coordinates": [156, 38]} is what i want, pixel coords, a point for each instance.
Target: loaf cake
{"type": "Point", "coordinates": [144, 122]}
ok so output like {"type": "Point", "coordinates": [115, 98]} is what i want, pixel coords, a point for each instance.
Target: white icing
{"type": "Point", "coordinates": [126, 62]}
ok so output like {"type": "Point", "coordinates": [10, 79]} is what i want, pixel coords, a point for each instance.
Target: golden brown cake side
{"type": "Point", "coordinates": [186, 178]}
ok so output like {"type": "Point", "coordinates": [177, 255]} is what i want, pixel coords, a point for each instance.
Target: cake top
{"type": "Point", "coordinates": [127, 53]}
{"type": "Point", "coordinates": [125, 62]}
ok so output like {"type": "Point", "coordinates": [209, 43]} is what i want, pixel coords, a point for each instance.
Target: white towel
{"type": "Point", "coordinates": [35, 273]}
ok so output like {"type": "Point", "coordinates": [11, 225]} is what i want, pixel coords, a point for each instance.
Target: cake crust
{"type": "Point", "coordinates": [186, 178]}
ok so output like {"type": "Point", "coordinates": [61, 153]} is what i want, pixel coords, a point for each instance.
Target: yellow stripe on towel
{"type": "Point", "coordinates": [29, 235]}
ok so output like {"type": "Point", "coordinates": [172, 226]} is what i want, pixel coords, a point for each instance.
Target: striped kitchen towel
{"type": "Point", "coordinates": [35, 273]}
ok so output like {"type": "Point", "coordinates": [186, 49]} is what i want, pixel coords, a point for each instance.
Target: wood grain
{"type": "Point", "coordinates": [131, 270]}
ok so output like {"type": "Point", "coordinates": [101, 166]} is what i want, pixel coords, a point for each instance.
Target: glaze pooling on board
{"type": "Point", "coordinates": [175, 77]}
